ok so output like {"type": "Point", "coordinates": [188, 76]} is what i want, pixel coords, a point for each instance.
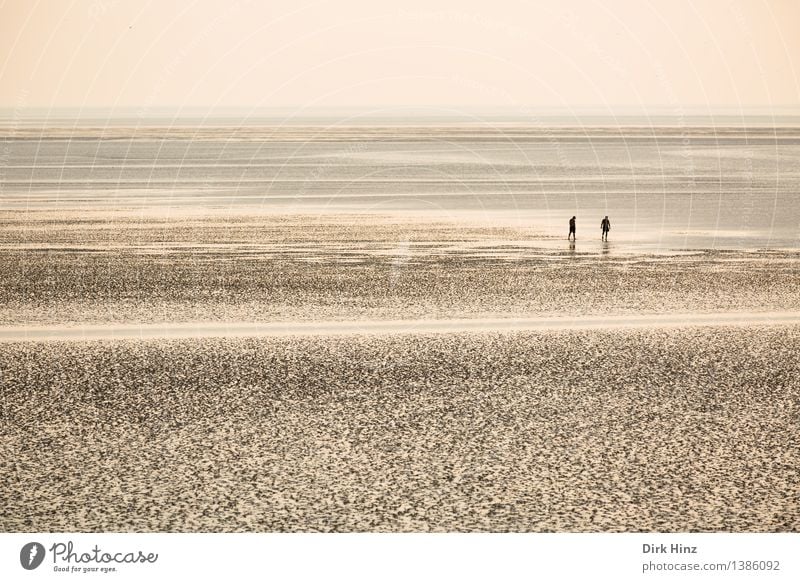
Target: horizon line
{"type": "Point", "coordinates": [426, 110]}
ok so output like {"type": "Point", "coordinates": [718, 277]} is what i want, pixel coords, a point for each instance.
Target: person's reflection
{"type": "Point", "coordinates": [605, 248]}
{"type": "Point", "coordinates": [572, 247]}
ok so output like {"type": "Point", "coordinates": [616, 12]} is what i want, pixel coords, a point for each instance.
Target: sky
{"type": "Point", "coordinates": [438, 55]}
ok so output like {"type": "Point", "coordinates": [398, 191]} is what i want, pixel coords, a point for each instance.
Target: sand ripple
{"type": "Point", "coordinates": [671, 430]}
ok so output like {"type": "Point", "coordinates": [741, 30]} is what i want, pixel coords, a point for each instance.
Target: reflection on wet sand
{"type": "Point", "coordinates": [382, 329]}
{"type": "Point", "coordinates": [65, 270]}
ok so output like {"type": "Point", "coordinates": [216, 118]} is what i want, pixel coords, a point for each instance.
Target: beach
{"type": "Point", "coordinates": [122, 268]}
{"type": "Point", "coordinates": [303, 330]}
{"type": "Point", "coordinates": [630, 430]}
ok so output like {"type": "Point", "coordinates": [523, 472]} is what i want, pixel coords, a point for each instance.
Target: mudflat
{"type": "Point", "coordinates": [691, 429]}
{"type": "Point", "coordinates": [328, 373]}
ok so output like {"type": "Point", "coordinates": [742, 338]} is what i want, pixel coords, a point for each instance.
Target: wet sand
{"type": "Point", "coordinates": [384, 327]}
{"type": "Point", "coordinates": [629, 430]}
{"type": "Point", "coordinates": [98, 268]}
{"type": "Point", "coordinates": [339, 372]}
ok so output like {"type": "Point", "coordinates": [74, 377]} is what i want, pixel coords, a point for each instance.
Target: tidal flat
{"type": "Point", "coordinates": [119, 268]}
{"type": "Point", "coordinates": [315, 327]}
{"type": "Point", "coordinates": [690, 429]}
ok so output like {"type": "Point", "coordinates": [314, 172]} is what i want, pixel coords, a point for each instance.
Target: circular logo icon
{"type": "Point", "coordinates": [31, 555]}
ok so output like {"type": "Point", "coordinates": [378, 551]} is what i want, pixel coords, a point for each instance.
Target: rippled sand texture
{"type": "Point", "coordinates": [565, 425]}
{"type": "Point", "coordinates": [103, 268]}
{"type": "Point", "coordinates": [630, 430]}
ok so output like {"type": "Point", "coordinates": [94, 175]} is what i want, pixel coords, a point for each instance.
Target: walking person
{"type": "Point", "coordinates": [571, 228]}
{"type": "Point", "coordinates": [605, 226]}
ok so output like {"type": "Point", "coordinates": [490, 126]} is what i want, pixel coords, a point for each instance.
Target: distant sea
{"type": "Point", "coordinates": [727, 182]}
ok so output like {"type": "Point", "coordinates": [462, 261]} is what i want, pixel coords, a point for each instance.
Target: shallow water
{"type": "Point", "coordinates": [384, 329]}
{"type": "Point", "coordinates": [665, 188]}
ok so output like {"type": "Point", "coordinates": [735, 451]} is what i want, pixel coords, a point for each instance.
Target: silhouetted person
{"type": "Point", "coordinates": [605, 226]}
{"type": "Point", "coordinates": [571, 228]}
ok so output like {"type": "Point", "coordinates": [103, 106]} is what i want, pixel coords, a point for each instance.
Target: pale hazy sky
{"type": "Point", "coordinates": [458, 54]}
